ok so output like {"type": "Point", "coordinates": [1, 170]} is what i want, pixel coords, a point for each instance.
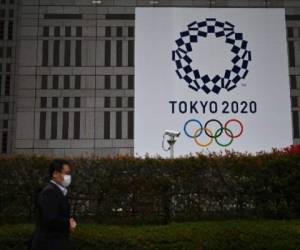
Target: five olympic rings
{"type": "Point", "coordinates": [197, 133]}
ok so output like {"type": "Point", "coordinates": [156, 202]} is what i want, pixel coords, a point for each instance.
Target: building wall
{"type": "Point", "coordinates": [74, 73]}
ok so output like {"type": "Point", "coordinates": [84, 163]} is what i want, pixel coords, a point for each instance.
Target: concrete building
{"type": "Point", "coordinates": [67, 72]}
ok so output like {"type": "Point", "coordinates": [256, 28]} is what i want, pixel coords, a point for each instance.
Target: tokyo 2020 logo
{"type": "Point", "coordinates": [195, 78]}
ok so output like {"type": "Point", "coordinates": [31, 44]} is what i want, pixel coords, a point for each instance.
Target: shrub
{"type": "Point", "coordinates": [126, 190]}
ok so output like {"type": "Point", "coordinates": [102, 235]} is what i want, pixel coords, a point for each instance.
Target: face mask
{"type": "Point", "coordinates": [67, 181]}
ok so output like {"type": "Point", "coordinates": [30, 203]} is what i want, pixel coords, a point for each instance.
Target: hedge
{"type": "Point", "coordinates": [127, 190]}
{"type": "Point", "coordinates": [233, 235]}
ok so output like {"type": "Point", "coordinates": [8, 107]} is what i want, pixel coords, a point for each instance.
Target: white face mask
{"type": "Point", "coordinates": [67, 181]}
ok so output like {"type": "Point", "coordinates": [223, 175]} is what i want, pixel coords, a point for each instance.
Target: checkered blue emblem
{"type": "Point", "coordinates": [196, 79]}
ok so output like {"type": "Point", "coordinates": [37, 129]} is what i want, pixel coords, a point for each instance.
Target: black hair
{"type": "Point", "coordinates": [57, 165]}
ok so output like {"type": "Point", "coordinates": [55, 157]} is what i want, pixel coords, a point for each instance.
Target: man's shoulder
{"type": "Point", "coordinates": [49, 189]}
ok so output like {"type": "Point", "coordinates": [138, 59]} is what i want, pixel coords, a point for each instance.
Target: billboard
{"type": "Point", "coordinates": [218, 76]}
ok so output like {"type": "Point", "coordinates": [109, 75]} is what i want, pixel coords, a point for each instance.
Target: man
{"type": "Point", "coordinates": [53, 222]}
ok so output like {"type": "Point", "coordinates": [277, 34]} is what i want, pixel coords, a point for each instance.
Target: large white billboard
{"type": "Point", "coordinates": [218, 76]}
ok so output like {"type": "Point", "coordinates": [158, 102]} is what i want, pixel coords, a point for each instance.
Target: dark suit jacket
{"type": "Point", "coordinates": [52, 228]}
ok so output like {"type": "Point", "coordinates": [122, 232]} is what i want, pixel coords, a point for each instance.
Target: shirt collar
{"type": "Point", "coordinates": [63, 189]}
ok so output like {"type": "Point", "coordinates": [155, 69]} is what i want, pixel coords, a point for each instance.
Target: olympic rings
{"type": "Point", "coordinates": [241, 125]}
{"type": "Point", "coordinates": [208, 132]}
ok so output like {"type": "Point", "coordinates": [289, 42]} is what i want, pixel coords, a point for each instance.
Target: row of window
{"type": "Point", "coordinates": [10, 26]}
{"type": "Point", "coordinates": [3, 13]}
{"type": "Point", "coordinates": [296, 123]}
{"type": "Point", "coordinates": [295, 101]}
{"type": "Point", "coordinates": [118, 102]}
{"type": "Point", "coordinates": [75, 82]}
{"type": "Point", "coordinates": [78, 49]}
{"type": "Point", "coordinates": [55, 102]}
{"type": "Point", "coordinates": [7, 2]}
{"type": "Point", "coordinates": [6, 90]}
{"type": "Point", "coordinates": [5, 52]}
{"type": "Point", "coordinates": [66, 82]}
{"type": "Point", "coordinates": [76, 125]}
{"type": "Point", "coordinates": [119, 53]}
{"type": "Point", "coordinates": [5, 108]}
{"type": "Point", "coordinates": [57, 31]}
{"type": "Point", "coordinates": [54, 125]}
{"type": "Point", "coordinates": [4, 142]}
{"type": "Point", "coordinates": [45, 102]}
{"type": "Point", "coordinates": [56, 53]}
{"type": "Point", "coordinates": [119, 125]}
{"type": "Point", "coordinates": [77, 31]}
{"type": "Point", "coordinates": [4, 124]}
{"type": "Point", "coordinates": [5, 67]}
{"type": "Point", "coordinates": [119, 31]}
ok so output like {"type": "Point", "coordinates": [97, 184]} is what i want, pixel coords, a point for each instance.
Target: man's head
{"type": "Point", "coordinates": [59, 171]}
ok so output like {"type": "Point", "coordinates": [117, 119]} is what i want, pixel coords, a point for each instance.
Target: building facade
{"type": "Point", "coordinates": [67, 72]}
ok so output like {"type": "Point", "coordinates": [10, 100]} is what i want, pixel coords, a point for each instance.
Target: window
{"type": "Point", "coordinates": [291, 53]}
{"type": "Point", "coordinates": [107, 102]}
{"type": "Point", "coordinates": [119, 53]}
{"type": "Point", "coordinates": [54, 102]}
{"type": "Point", "coordinates": [55, 82]}
{"type": "Point", "coordinates": [66, 82]}
{"type": "Point", "coordinates": [130, 82]}
{"type": "Point", "coordinates": [76, 125]}
{"type": "Point", "coordinates": [108, 31]}
{"type": "Point", "coordinates": [8, 67]}
{"type": "Point", "coordinates": [130, 102]}
{"type": "Point", "coordinates": [45, 53]}
{"type": "Point", "coordinates": [46, 31]}
{"type": "Point", "coordinates": [56, 53]}
{"type": "Point", "coordinates": [77, 82]}
{"type": "Point", "coordinates": [78, 31]}
{"type": "Point", "coordinates": [131, 53]}
{"type": "Point", "coordinates": [57, 31]}
{"type": "Point", "coordinates": [119, 82]}
{"type": "Point", "coordinates": [106, 125]}
{"type": "Point", "coordinates": [78, 53]}
{"type": "Point", "coordinates": [2, 13]}
{"type": "Point", "coordinates": [66, 102]}
{"type": "Point", "coordinates": [2, 24]}
{"type": "Point", "coordinates": [43, 103]}
{"type": "Point", "coordinates": [293, 82]}
{"type": "Point", "coordinates": [67, 52]}
{"type": "Point", "coordinates": [9, 52]}
{"type": "Point", "coordinates": [65, 126]}
{"type": "Point", "coordinates": [119, 102]}
{"type": "Point", "coordinates": [130, 125]}
{"type": "Point", "coordinates": [4, 142]}
{"type": "Point", "coordinates": [296, 127]}
{"type": "Point", "coordinates": [53, 125]}
{"type": "Point", "coordinates": [290, 31]}
{"type": "Point", "coordinates": [5, 124]}
{"type": "Point", "coordinates": [131, 31]}
{"type": "Point", "coordinates": [1, 52]}
{"type": "Point", "coordinates": [77, 102]}
{"type": "Point", "coordinates": [10, 30]}
{"type": "Point", "coordinates": [119, 31]}
{"type": "Point", "coordinates": [107, 82]}
{"type": "Point", "coordinates": [7, 85]}
{"type": "Point", "coordinates": [44, 82]}
{"type": "Point", "coordinates": [107, 53]}
{"type": "Point", "coordinates": [68, 31]}
{"type": "Point", "coordinates": [11, 13]}
{"type": "Point", "coordinates": [6, 108]}
{"type": "Point", "coordinates": [294, 100]}
{"type": "Point", "coordinates": [42, 126]}
{"type": "Point", "coordinates": [119, 125]}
